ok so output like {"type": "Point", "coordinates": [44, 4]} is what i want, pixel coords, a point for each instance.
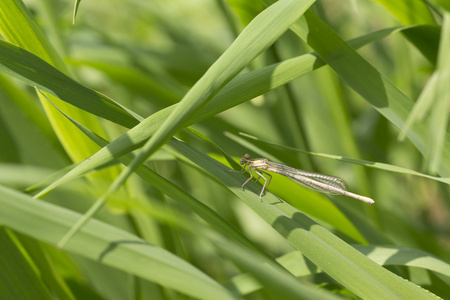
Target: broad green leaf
{"type": "Point", "coordinates": [19, 28]}
{"type": "Point", "coordinates": [404, 256]}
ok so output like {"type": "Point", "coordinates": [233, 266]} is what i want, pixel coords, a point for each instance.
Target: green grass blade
{"type": "Point", "coordinates": [312, 203]}
{"type": "Point", "coordinates": [433, 99]}
{"type": "Point", "coordinates": [338, 259]}
{"type": "Point", "coordinates": [147, 56]}
{"type": "Point", "coordinates": [439, 111]}
{"type": "Point", "coordinates": [426, 40]}
{"type": "Point", "coordinates": [265, 270]}
{"type": "Point", "coordinates": [111, 246]}
{"type": "Point", "coordinates": [124, 251]}
{"type": "Point", "coordinates": [75, 10]}
{"type": "Point", "coordinates": [18, 26]}
{"type": "Point", "coordinates": [169, 189]}
{"type": "Point", "coordinates": [262, 32]}
{"type": "Point", "coordinates": [409, 12]}
{"type": "Point", "coordinates": [370, 164]}
{"type": "Point", "coordinates": [25, 284]}
{"type": "Point", "coordinates": [34, 71]}
{"type": "Point", "coordinates": [404, 256]}
{"type": "Point", "coordinates": [296, 263]}
{"type": "Point", "coordinates": [32, 139]}
{"type": "Point", "coordinates": [421, 107]}
{"type": "Point", "coordinates": [242, 88]}
{"type": "Point", "coordinates": [367, 81]}
{"type": "Point", "coordinates": [40, 258]}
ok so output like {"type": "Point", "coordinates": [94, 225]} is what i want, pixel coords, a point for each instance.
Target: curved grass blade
{"type": "Point", "coordinates": [370, 164]}
{"type": "Point", "coordinates": [338, 259]}
{"type": "Point", "coordinates": [297, 264]}
{"type": "Point", "coordinates": [34, 71]}
{"type": "Point", "coordinates": [242, 88]}
{"type": "Point", "coordinates": [264, 30]}
{"type": "Point", "coordinates": [169, 189]}
{"type": "Point", "coordinates": [360, 75]}
{"type": "Point", "coordinates": [106, 244]}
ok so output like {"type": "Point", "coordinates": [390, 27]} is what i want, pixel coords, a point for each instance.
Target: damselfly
{"type": "Point", "coordinates": [314, 181]}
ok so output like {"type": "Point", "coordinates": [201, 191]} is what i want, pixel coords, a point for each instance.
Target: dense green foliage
{"type": "Point", "coordinates": [119, 134]}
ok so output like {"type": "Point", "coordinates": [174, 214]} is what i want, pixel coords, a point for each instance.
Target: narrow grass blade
{"type": "Point", "coordinates": [370, 164]}
{"type": "Point", "coordinates": [242, 88]}
{"type": "Point", "coordinates": [367, 81]}
{"type": "Point", "coordinates": [46, 78]}
{"type": "Point", "coordinates": [439, 111]}
{"type": "Point", "coordinates": [338, 259]}
{"type": "Point", "coordinates": [19, 27]}
{"type": "Point", "coordinates": [297, 264]}
{"type": "Point", "coordinates": [421, 107]}
{"type": "Point", "coordinates": [169, 189]}
{"type": "Point", "coordinates": [106, 244]}
{"type": "Point", "coordinates": [272, 22]}
{"type": "Point", "coordinates": [25, 284]}
{"type": "Point", "coordinates": [264, 269]}
{"type": "Point", "coordinates": [270, 25]}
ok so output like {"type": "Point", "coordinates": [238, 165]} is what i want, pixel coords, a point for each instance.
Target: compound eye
{"type": "Point", "coordinates": [244, 159]}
